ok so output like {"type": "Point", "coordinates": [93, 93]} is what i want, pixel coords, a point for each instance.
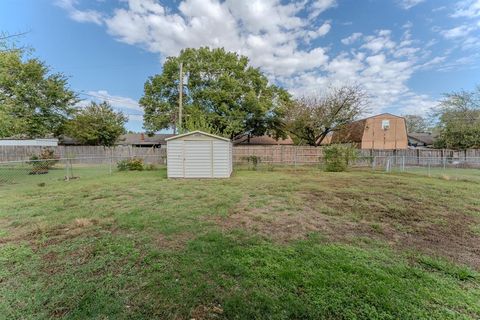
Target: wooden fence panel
{"type": "Point", "coordinates": [267, 154]}
{"type": "Point", "coordinates": [88, 153]}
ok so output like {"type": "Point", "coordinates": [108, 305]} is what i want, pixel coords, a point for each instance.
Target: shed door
{"type": "Point", "coordinates": [198, 159]}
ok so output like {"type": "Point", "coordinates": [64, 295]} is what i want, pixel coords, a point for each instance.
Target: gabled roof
{"type": "Point", "coordinates": [426, 138]}
{"type": "Point", "coordinates": [143, 138]}
{"type": "Point", "coordinates": [380, 114]}
{"type": "Point", "coordinates": [197, 132]}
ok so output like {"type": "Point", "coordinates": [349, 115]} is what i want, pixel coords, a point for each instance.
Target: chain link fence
{"type": "Point", "coordinates": [449, 168]}
{"type": "Point", "coordinates": [42, 171]}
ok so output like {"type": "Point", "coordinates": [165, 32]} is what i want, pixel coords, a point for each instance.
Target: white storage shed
{"type": "Point", "coordinates": [199, 155]}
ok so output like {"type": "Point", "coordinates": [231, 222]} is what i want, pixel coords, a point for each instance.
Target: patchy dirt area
{"type": "Point", "coordinates": [344, 213]}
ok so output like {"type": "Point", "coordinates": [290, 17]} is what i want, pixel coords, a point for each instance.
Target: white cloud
{"type": "Point", "coordinates": [124, 104]}
{"type": "Point", "coordinates": [407, 4]}
{"type": "Point", "coordinates": [79, 15]}
{"type": "Point", "coordinates": [319, 6]}
{"type": "Point", "coordinates": [457, 32]}
{"type": "Point", "coordinates": [351, 39]}
{"type": "Point", "coordinates": [465, 35]}
{"type": "Point", "coordinates": [278, 38]}
{"type": "Point", "coordinates": [467, 9]}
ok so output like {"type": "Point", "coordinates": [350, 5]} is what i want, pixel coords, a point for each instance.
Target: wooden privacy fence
{"type": "Point", "coordinates": [306, 155]}
{"type": "Point", "coordinates": [88, 153]}
{"type": "Point", "coordinates": [266, 154]}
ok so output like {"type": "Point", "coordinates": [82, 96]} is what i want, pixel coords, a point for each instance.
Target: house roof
{"type": "Point", "coordinates": [381, 114]}
{"type": "Point", "coordinates": [262, 140]}
{"type": "Point", "coordinates": [143, 138]}
{"type": "Point", "coordinates": [352, 132]}
{"type": "Point", "coordinates": [197, 132]}
{"type": "Point", "coordinates": [426, 138]}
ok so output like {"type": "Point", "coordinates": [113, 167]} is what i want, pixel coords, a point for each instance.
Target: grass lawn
{"type": "Point", "coordinates": [285, 244]}
{"type": "Point", "coordinates": [466, 174]}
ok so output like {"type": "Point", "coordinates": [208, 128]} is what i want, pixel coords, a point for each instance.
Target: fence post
{"type": "Point", "coordinates": [111, 156]}
{"type": "Point", "coordinates": [374, 163]}
{"type": "Point", "coordinates": [295, 157]}
{"type": "Point", "coordinates": [403, 164]}
{"type": "Point", "coordinates": [67, 177]}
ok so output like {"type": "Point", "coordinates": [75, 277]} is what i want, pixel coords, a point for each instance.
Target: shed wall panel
{"type": "Point", "coordinates": [199, 156]}
{"type": "Point", "coordinates": [175, 159]}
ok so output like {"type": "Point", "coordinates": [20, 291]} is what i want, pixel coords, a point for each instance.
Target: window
{"type": "Point", "coordinates": [385, 124]}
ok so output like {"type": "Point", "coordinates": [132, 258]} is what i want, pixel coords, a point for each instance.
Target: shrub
{"type": "Point", "coordinates": [150, 167]}
{"type": "Point", "coordinates": [42, 162]}
{"type": "Point", "coordinates": [253, 162]}
{"type": "Point", "coordinates": [337, 158]}
{"type": "Point", "coordinates": [134, 164]}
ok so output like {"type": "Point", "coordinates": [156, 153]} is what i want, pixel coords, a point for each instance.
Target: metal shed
{"type": "Point", "coordinates": [199, 155]}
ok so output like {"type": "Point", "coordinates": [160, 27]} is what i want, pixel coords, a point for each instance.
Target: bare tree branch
{"type": "Point", "coordinates": [312, 118]}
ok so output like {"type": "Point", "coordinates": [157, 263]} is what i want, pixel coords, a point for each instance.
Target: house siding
{"type": "Point", "coordinates": [393, 138]}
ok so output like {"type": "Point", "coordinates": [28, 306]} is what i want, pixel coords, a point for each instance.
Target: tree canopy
{"type": "Point", "coordinates": [310, 119]}
{"type": "Point", "coordinates": [33, 101]}
{"type": "Point", "coordinates": [232, 96]}
{"type": "Point", "coordinates": [459, 120]}
{"type": "Point", "coordinates": [97, 124]}
{"type": "Point", "coordinates": [416, 123]}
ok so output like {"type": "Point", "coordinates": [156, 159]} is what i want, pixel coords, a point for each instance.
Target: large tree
{"type": "Point", "coordinates": [310, 119]}
{"type": "Point", "coordinates": [234, 97]}
{"type": "Point", "coordinates": [459, 120]}
{"type": "Point", "coordinates": [416, 123]}
{"type": "Point", "coordinates": [97, 124]}
{"type": "Point", "coordinates": [33, 101]}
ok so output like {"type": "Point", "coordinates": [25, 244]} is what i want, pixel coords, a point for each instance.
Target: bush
{"type": "Point", "coordinates": [42, 162]}
{"type": "Point", "coordinates": [133, 164]}
{"type": "Point", "coordinates": [337, 158]}
{"type": "Point", "coordinates": [253, 162]}
{"type": "Point", "coordinates": [150, 167]}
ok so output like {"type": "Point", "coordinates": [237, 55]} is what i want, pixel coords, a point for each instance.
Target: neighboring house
{"type": "Point", "coordinates": [29, 142]}
{"type": "Point", "coordinates": [130, 139]}
{"type": "Point", "coordinates": [143, 140]}
{"type": "Point", "coordinates": [421, 140]}
{"type": "Point", "coordinates": [262, 141]}
{"type": "Point", "coordinates": [382, 132]}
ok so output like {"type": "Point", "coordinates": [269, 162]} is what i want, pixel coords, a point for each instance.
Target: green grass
{"type": "Point", "coordinates": [466, 174]}
{"type": "Point", "coordinates": [282, 244]}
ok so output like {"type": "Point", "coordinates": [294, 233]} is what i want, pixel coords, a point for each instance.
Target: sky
{"type": "Point", "coordinates": [404, 53]}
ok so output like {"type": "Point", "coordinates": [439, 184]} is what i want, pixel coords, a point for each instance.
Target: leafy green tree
{"type": "Point", "coordinates": [33, 101]}
{"type": "Point", "coordinates": [459, 120]}
{"type": "Point", "coordinates": [234, 97]}
{"type": "Point", "coordinates": [311, 119]}
{"type": "Point", "coordinates": [196, 120]}
{"type": "Point", "coordinates": [97, 124]}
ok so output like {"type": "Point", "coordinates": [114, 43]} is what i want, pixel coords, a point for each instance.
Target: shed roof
{"type": "Point", "coordinates": [197, 132]}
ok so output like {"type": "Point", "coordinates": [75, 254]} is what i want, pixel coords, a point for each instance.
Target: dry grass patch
{"type": "Point", "coordinates": [379, 208]}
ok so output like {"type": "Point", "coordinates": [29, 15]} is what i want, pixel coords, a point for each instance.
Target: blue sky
{"type": "Point", "coordinates": [406, 53]}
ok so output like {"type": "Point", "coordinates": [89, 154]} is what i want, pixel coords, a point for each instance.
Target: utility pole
{"type": "Point", "coordinates": [180, 98]}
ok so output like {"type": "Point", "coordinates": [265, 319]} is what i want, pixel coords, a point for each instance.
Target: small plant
{"type": "Point", "coordinates": [337, 158]}
{"type": "Point", "coordinates": [253, 162]}
{"type": "Point", "coordinates": [43, 162]}
{"type": "Point", "coordinates": [150, 167]}
{"type": "Point", "coordinates": [134, 164]}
